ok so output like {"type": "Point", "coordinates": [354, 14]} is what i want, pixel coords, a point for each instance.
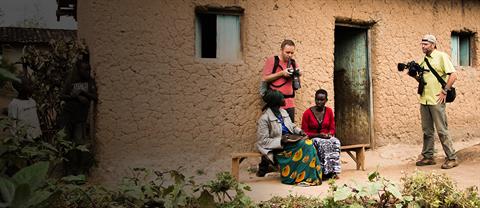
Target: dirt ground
{"type": "Point", "coordinates": [392, 161]}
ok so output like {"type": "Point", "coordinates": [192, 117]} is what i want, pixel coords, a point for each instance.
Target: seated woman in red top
{"type": "Point", "coordinates": [319, 124]}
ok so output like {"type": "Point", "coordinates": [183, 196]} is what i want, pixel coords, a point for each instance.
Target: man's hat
{"type": "Point", "coordinates": [429, 38]}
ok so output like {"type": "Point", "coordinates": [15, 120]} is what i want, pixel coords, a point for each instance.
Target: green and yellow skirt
{"type": "Point", "coordinates": [299, 164]}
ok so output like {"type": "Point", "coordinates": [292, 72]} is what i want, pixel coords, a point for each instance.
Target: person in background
{"type": "Point", "coordinates": [78, 93]}
{"type": "Point", "coordinates": [23, 109]}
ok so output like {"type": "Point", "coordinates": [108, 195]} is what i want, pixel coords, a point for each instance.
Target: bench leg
{"type": "Point", "coordinates": [360, 158]}
{"type": "Point", "coordinates": [235, 167]}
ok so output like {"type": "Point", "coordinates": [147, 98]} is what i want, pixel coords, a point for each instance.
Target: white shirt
{"type": "Point", "coordinates": [25, 114]}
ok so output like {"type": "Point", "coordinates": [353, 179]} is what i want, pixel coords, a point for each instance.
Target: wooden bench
{"type": "Point", "coordinates": [237, 158]}
{"type": "Point", "coordinates": [359, 157]}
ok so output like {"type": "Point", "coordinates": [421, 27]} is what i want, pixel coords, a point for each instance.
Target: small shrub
{"type": "Point", "coordinates": [292, 202]}
{"type": "Point", "coordinates": [438, 190]}
{"type": "Point", "coordinates": [17, 151]}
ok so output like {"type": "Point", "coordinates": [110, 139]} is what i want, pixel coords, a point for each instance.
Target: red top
{"type": "Point", "coordinates": [310, 123]}
{"type": "Point", "coordinates": [287, 88]}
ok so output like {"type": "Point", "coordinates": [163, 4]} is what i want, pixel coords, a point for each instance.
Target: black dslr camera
{"type": "Point", "coordinates": [295, 74]}
{"type": "Point", "coordinates": [414, 69]}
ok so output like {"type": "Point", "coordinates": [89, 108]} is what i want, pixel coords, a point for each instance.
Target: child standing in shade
{"type": "Point", "coordinates": [23, 109]}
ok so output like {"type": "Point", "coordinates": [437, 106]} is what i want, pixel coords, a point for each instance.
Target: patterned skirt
{"type": "Point", "coordinates": [328, 154]}
{"type": "Point", "coordinates": [299, 163]}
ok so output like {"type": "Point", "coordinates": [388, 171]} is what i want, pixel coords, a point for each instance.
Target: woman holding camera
{"type": "Point", "coordinates": [319, 124]}
{"type": "Point", "coordinates": [279, 140]}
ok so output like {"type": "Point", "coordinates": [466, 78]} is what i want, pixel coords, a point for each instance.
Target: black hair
{"type": "Point", "coordinates": [23, 87]}
{"type": "Point", "coordinates": [273, 99]}
{"type": "Point", "coordinates": [322, 91]}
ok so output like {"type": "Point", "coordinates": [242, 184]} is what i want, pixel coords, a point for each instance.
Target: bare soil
{"type": "Point", "coordinates": [392, 161]}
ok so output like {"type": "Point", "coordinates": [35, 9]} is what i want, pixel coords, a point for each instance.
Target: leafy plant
{"type": "Point", "coordinates": [7, 72]}
{"type": "Point", "coordinates": [438, 190]}
{"type": "Point", "coordinates": [18, 151]}
{"type": "Point", "coordinates": [292, 201]}
{"type": "Point", "coordinates": [73, 192]}
{"type": "Point", "coordinates": [377, 192]}
{"type": "Point", "coordinates": [147, 188]}
{"type": "Point", "coordinates": [220, 188]}
{"type": "Point", "coordinates": [24, 189]}
{"type": "Point", "coordinates": [50, 67]}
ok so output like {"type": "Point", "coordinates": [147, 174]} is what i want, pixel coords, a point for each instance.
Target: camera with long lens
{"type": "Point", "coordinates": [414, 69]}
{"type": "Point", "coordinates": [295, 74]}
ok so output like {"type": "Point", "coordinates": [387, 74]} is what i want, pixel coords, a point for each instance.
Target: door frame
{"type": "Point", "coordinates": [367, 26]}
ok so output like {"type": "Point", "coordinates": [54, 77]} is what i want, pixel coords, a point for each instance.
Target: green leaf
{"type": "Point", "coordinates": [206, 200]}
{"type": "Point", "coordinates": [32, 175]}
{"type": "Point", "coordinates": [355, 206]}
{"type": "Point", "coordinates": [408, 198]}
{"type": "Point", "coordinates": [373, 188]}
{"type": "Point", "coordinates": [342, 193]}
{"type": "Point", "coordinates": [135, 192]}
{"type": "Point", "coordinates": [49, 146]}
{"type": "Point", "coordinates": [373, 175]}
{"type": "Point", "coordinates": [74, 179]}
{"type": "Point", "coordinates": [394, 191]}
{"type": "Point", "coordinates": [168, 190]}
{"type": "Point", "coordinates": [82, 148]}
{"type": "Point", "coordinates": [37, 198]}
{"type": "Point", "coordinates": [22, 194]}
{"type": "Point", "coordinates": [246, 187]}
{"type": "Point", "coordinates": [179, 178]}
{"type": "Point", "coordinates": [5, 75]}
{"type": "Point", "coordinates": [7, 190]}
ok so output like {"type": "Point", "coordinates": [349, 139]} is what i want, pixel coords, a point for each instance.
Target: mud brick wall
{"type": "Point", "coordinates": [161, 107]}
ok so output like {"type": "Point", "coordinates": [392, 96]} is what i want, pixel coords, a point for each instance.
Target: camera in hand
{"type": "Point", "coordinates": [295, 74]}
{"type": "Point", "coordinates": [413, 67]}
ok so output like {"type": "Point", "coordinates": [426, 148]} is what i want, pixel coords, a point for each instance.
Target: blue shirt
{"type": "Point", "coordinates": [284, 128]}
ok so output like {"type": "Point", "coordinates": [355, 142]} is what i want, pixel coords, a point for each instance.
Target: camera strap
{"type": "Point", "coordinates": [442, 82]}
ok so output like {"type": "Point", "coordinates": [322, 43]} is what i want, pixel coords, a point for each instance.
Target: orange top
{"type": "Point", "coordinates": [283, 84]}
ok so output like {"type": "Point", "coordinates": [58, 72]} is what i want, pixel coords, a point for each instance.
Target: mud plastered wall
{"type": "Point", "coordinates": [161, 107]}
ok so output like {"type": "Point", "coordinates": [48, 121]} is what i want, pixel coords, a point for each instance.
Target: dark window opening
{"type": "Point", "coordinates": [208, 30]}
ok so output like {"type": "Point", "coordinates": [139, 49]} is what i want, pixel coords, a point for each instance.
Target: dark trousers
{"type": "Point", "coordinates": [265, 164]}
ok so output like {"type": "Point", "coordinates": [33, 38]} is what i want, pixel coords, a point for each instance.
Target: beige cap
{"type": "Point", "coordinates": [429, 38]}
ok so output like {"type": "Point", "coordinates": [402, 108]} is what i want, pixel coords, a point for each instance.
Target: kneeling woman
{"type": "Point", "coordinates": [319, 124]}
{"type": "Point", "coordinates": [284, 143]}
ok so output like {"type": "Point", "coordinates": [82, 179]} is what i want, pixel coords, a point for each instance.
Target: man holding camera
{"type": "Point", "coordinates": [432, 103]}
{"type": "Point", "coordinates": [280, 76]}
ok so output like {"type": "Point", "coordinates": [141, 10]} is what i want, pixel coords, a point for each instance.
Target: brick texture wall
{"type": "Point", "coordinates": [161, 107]}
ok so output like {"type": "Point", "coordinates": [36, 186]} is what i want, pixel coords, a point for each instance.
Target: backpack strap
{"type": "Point", "coordinates": [276, 63]}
